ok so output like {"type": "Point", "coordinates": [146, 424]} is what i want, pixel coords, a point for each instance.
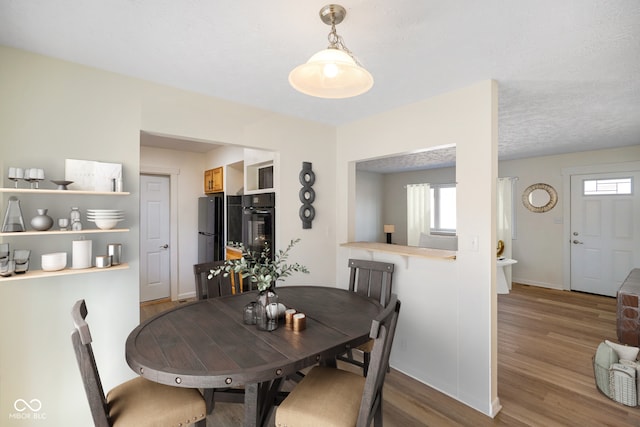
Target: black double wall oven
{"type": "Point", "coordinates": [258, 221]}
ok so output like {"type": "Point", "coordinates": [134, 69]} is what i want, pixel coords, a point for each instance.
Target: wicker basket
{"type": "Point", "coordinates": [603, 379]}
{"type": "Point", "coordinates": [622, 383]}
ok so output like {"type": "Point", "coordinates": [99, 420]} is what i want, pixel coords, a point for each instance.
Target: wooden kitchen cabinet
{"type": "Point", "coordinates": [213, 181]}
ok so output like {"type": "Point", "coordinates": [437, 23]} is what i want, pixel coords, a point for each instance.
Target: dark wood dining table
{"type": "Point", "coordinates": [205, 344]}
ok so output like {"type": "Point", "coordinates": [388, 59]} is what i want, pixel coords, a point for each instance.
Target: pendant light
{"type": "Point", "coordinates": [333, 72]}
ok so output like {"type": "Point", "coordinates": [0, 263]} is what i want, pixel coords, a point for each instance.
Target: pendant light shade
{"type": "Point", "coordinates": [333, 72]}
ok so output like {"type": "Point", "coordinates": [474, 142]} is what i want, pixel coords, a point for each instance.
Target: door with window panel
{"type": "Point", "coordinates": [605, 230]}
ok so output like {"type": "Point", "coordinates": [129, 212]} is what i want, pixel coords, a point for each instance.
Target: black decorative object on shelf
{"type": "Point", "coordinates": [307, 195]}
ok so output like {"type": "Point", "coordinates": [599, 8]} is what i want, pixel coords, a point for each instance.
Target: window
{"type": "Point", "coordinates": [600, 187]}
{"type": "Point", "coordinates": [443, 211]}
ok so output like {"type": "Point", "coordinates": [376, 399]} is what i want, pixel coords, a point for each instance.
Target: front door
{"type": "Point", "coordinates": [155, 272]}
{"type": "Point", "coordinates": [605, 230]}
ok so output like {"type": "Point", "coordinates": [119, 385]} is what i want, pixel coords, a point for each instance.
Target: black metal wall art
{"type": "Point", "coordinates": [307, 195]}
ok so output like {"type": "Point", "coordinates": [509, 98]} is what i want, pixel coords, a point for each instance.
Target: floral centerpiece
{"type": "Point", "coordinates": [263, 270]}
{"type": "Point", "coordinates": [260, 268]}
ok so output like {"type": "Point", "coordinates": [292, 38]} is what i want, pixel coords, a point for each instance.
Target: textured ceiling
{"type": "Point", "coordinates": [568, 71]}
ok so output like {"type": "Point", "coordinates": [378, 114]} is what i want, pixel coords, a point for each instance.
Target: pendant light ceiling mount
{"type": "Point", "coordinates": [333, 72]}
{"type": "Point", "coordinates": [332, 14]}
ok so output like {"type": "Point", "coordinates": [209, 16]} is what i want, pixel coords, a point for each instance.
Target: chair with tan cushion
{"type": "Point", "coordinates": [371, 279]}
{"type": "Point", "coordinates": [137, 402]}
{"type": "Point", "coordinates": [331, 397]}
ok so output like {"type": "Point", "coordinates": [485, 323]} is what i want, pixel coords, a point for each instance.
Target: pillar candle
{"type": "Point", "coordinates": [288, 316]}
{"type": "Point", "coordinates": [299, 322]}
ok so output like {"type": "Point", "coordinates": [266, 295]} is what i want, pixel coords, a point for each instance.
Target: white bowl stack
{"type": "Point", "coordinates": [105, 219]}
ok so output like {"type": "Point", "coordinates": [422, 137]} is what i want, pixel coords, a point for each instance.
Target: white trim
{"type": "Point", "coordinates": [172, 173]}
{"type": "Point", "coordinates": [566, 205]}
{"type": "Point", "coordinates": [557, 287]}
{"type": "Point", "coordinates": [495, 407]}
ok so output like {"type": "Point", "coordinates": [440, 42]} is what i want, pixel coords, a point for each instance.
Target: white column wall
{"type": "Point", "coordinates": [447, 329]}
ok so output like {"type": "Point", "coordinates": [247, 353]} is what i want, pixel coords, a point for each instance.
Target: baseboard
{"type": "Point", "coordinates": [155, 301]}
{"type": "Point", "coordinates": [539, 284]}
{"type": "Point", "coordinates": [187, 295]}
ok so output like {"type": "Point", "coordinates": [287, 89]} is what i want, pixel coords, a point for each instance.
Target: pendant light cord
{"type": "Point", "coordinates": [337, 42]}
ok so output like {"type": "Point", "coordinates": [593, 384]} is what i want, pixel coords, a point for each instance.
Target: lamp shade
{"type": "Point", "coordinates": [389, 228]}
{"type": "Point", "coordinates": [331, 73]}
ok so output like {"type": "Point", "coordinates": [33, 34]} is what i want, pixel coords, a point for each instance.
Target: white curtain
{"type": "Point", "coordinates": [418, 212]}
{"type": "Point", "coordinates": [504, 226]}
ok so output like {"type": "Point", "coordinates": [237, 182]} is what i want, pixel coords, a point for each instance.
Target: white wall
{"type": "Point", "coordinates": [169, 111]}
{"type": "Point", "coordinates": [447, 329]}
{"type": "Point", "coordinates": [52, 110]}
{"type": "Point", "coordinates": [369, 208]}
{"type": "Point", "coordinates": [395, 207]}
{"type": "Point", "coordinates": [540, 236]}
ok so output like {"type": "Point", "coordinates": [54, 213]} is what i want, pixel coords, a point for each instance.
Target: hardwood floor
{"type": "Point", "coordinates": [546, 340]}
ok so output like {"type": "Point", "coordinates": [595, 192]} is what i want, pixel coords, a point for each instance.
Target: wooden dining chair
{"type": "Point", "coordinates": [137, 402]}
{"type": "Point", "coordinates": [334, 397]}
{"type": "Point", "coordinates": [371, 279]}
{"type": "Point", "coordinates": [214, 287]}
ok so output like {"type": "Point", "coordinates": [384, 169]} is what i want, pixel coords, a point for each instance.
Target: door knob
{"type": "Point", "coordinates": [165, 246]}
{"type": "Point", "coordinates": [576, 242]}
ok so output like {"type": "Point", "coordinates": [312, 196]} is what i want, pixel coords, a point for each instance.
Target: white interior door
{"type": "Point", "coordinates": [605, 231]}
{"type": "Point", "coordinates": [155, 269]}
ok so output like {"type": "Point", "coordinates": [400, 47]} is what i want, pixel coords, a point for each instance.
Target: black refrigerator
{"type": "Point", "coordinates": [211, 228]}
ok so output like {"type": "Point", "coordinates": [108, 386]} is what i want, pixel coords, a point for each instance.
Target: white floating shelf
{"type": "Point", "coordinates": [39, 274]}
{"type": "Point", "coordinates": [58, 232]}
{"type": "Point", "coordinates": [53, 191]}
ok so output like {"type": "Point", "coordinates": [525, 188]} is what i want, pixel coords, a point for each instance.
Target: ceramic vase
{"type": "Point", "coordinates": [42, 221]}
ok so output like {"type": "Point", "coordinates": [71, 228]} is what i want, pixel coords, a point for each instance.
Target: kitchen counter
{"type": "Point", "coordinates": [410, 251]}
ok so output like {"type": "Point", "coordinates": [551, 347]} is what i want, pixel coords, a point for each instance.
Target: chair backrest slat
{"type": "Point", "coordinates": [383, 330]}
{"type": "Point", "coordinates": [372, 279]}
{"type": "Point", "coordinates": [81, 339]}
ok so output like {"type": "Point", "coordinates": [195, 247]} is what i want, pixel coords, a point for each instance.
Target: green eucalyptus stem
{"type": "Point", "coordinates": [260, 268]}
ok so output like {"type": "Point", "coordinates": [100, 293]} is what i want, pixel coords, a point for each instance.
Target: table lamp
{"type": "Point", "coordinates": [389, 228]}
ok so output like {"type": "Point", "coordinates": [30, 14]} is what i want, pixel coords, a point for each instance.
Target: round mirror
{"type": "Point", "coordinates": [539, 197]}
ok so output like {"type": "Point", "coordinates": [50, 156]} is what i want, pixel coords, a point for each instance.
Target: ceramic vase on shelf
{"type": "Point", "coordinates": [13, 216]}
{"type": "Point", "coordinates": [42, 221]}
{"type": "Point", "coordinates": [74, 219]}
{"type": "Point", "coordinates": [266, 310]}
